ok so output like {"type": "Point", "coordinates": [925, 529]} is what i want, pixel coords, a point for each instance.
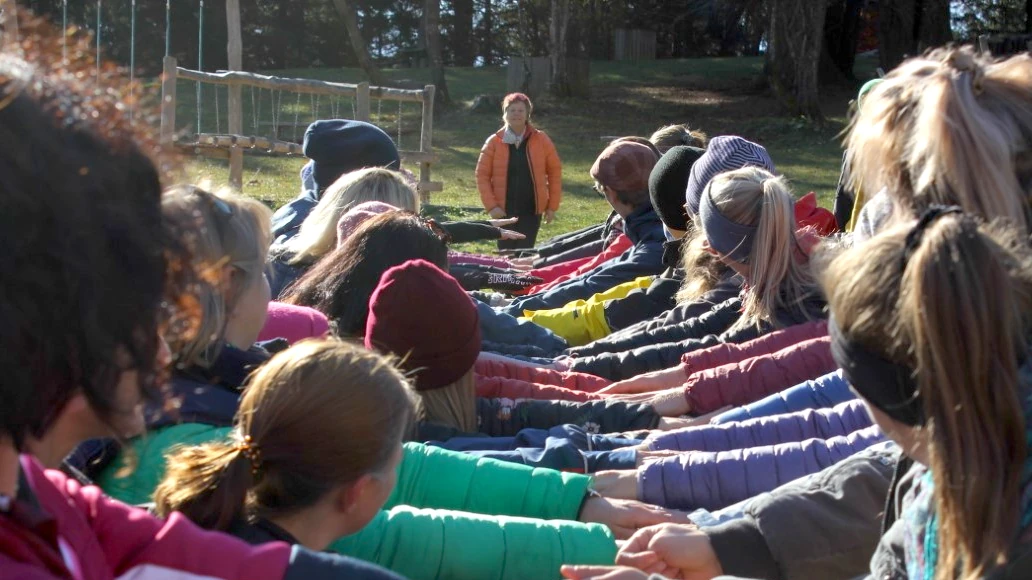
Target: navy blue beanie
{"type": "Point", "coordinates": [724, 153]}
{"type": "Point", "coordinates": [339, 146]}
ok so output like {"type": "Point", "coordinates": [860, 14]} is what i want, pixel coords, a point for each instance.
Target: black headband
{"type": "Point", "coordinates": [887, 385]}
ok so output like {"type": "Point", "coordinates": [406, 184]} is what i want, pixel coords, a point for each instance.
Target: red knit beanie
{"type": "Point", "coordinates": [421, 314]}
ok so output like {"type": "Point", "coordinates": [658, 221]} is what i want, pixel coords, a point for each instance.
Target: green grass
{"type": "Point", "coordinates": [717, 95]}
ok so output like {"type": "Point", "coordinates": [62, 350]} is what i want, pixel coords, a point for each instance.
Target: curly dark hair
{"type": "Point", "coordinates": [89, 270]}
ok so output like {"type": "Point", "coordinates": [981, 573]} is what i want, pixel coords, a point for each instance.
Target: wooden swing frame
{"type": "Point", "coordinates": [234, 143]}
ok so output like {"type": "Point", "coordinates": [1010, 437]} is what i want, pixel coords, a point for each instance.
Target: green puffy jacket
{"type": "Point", "coordinates": [451, 515]}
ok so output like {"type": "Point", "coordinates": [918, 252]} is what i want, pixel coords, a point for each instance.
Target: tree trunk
{"type": "Point", "coordinates": [934, 24]}
{"type": "Point", "coordinates": [358, 43]}
{"type": "Point", "coordinates": [793, 57]}
{"type": "Point", "coordinates": [432, 34]}
{"type": "Point", "coordinates": [461, 39]}
{"type": "Point", "coordinates": [559, 23]}
{"type": "Point", "coordinates": [487, 48]}
{"type": "Point", "coordinates": [908, 27]}
{"type": "Point", "coordinates": [841, 36]}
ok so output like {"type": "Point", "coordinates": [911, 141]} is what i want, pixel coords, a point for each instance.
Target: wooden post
{"type": "Point", "coordinates": [235, 49]}
{"type": "Point", "coordinates": [362, 102]}
{"type": "Point", "coordinates": [168, 100]}
{"type": "Point", "coordinates": [983, 44]}
{"type": "Point", "coordinates": [426, 136]}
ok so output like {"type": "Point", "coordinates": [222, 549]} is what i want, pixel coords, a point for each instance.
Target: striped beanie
{"type": "Point", "coordinates": [724, 153]}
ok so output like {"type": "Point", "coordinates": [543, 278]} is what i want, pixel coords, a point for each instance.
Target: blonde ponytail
{"type": "Point", "coordinates": [778, 279]}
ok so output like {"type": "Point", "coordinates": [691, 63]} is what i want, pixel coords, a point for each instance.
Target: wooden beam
{"type": "Point", "coordinates": [426, 136]}
{"type": "Point", "coordinates": [168, 100]}
{"type": "Point", "coordinates": [235, 49]}
{"type": "Point", "coordinates": [307, 86]}
{"type": "Point", "coordinates": [242, 142]}
{"type": "Point", "coordinates": [418, 157]}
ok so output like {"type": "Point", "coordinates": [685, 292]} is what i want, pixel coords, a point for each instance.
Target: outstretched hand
{"type": "Point", "coordinates": [602, 573]}
{"type": "Point", "coordinates": [647, 382]}
{"type": "Point", "coordinates": [623, 517]}
{"type": "Point", "coordinates": [510, 234]}
{"type": "Point", "coordinates": [501, 223]}
{"type": "Point", "coordinates": [666, 403]}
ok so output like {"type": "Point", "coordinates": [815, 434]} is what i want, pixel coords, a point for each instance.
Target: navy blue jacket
{"type": "Point", "coordinates": [565, 448]}
{"type": "Point", "coordinates": [645, 258]}
{"type": "Point", "coordinates": [287, 219]}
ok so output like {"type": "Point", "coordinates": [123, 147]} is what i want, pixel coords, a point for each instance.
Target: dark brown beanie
{"type": "Point", "coordinates": [423, 316]}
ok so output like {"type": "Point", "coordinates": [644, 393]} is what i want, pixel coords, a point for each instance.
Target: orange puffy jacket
{"type": "Point", "coordinates": [545, 169]}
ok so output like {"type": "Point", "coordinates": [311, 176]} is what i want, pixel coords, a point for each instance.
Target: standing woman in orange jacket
{"type": "Point", "coordinates": [519, 173]}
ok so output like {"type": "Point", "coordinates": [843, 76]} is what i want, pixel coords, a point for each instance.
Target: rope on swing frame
{"type": "Point", "coordinates": [200, 61]}
{"type": "Point", "coordinates": [354, 112]}
{"type": "Point", "coordinates": [254, 114]}
{"type": "Point", "coordinates": [315, 107]}
{"type": "Point", "coordinates": [379, 111]}
{"type": "Point", "coordinates": [64, 32]}
{"type": "Point", "coordinates": [168, 27]}
{"type": "Point", "coordinates": [218, 123]}
{"type": "Point", "coordinates": [297, 114]}
{"type": "Point", "coordinates": [99, 8]}
{"type": "Point", "coordinates": [276, 112]}
{"type": "Point", "coordinates": [398, 144]}
{"type": "Point", "coordinates": [132, 60]}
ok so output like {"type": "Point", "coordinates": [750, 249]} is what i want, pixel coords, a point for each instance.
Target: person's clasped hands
{"type": "Point", "coordinates": [674, 551]}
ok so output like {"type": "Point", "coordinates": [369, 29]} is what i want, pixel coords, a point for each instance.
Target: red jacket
{"type": "Point", "coordinates": [572, 381]}
{"type": "Point", "coordinates": [722, 354]}
{"type": "Point", "coordinates": [503, 388]}
{"type": "Point", "coordinates": [545, 169]}
{"type": "Point", "coordinates": [615, 248]}
{"type": "Point", "coordinates": [77, 532]}
{"type": "Point", "coordinates": [752, 379]}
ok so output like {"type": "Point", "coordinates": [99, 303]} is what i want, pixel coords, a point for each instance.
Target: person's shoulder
{"type": "Point", "coordinates": [495, 137]}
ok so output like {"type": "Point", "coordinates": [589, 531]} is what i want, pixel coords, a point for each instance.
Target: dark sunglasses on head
{"type": "Point", "coordinates": [435, 228]}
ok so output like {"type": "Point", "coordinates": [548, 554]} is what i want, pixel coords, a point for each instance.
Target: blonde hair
{"type": "Point", "coordinates": [223, 229]}
{"type": "Point", "coordinates": [949, 127]}
{"type": "Point", "coordinates": [667, 137]}
{"type": "Point", "coordinates": [454, 405]}
{"type": "Point", "coordinates": [320, 414]}
{"type": "Point", "coordinates": [318, 233]}
{"type": "Point", "coordinates": [778, 279]}
{"type": "Point", "coordinates": [957, 311]}
{"type": "Point", "coordinates": [702, 270]}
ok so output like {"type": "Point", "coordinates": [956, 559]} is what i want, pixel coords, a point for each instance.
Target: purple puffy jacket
{"type": "Point", "coordinates": [842, 419]}
{"type": "Point", "coordinates": [713, 480]}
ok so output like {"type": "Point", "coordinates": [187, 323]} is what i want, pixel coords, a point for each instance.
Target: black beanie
{"type": "Point", "coordinates": [667, 183]}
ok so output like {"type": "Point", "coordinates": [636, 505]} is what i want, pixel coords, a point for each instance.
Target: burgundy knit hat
{"type": "Point", "coordinates": [422, 315]}
{"type": "Point", "coordinates": [624, 166]}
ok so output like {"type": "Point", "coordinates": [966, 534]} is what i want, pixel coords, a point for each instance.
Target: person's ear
{"type": "Point", "coordinates": [709, 249]}
{"type": "Point", "coordinates": [351, 495]}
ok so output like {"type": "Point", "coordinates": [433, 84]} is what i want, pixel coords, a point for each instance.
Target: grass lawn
{"type": "Point", "coordinates": [717, 95]}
